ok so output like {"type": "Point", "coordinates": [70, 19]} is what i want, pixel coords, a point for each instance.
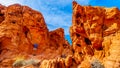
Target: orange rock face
{"type": "Point", "coordinates": [94, 33]}
{"type": "Point", "coordinates": [23, 31]}
{"type": "Point", "coordinates": [23, 27]}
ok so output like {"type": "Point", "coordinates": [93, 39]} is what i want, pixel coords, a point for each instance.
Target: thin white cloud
{"type": "Point", "coordinates": [9, 2]}
{"type": "Point", "coordinates": [54, 17]}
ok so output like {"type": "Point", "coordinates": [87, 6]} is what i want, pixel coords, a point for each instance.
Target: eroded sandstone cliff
{"type": "Point", "coordinates": [95, 35]}
{"type": "Point", "coordinates": [24, 35]}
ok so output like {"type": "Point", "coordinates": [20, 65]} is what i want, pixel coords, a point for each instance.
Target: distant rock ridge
{"type": "Point", "coordinates": [26, 42]}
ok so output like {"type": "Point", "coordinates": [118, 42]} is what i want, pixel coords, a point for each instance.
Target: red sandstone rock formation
{"type": "Point", "coordinates": [95, 35]}
{"type": "Point", "coordinates": [23, 32]}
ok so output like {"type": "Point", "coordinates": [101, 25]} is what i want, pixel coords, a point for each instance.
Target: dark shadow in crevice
{"type": "Point", "coordinates": [87, 41]}
{"type": "Point", "coordinates": [78, 45]}
{"type": "Point", "coordinates": [78, 35]}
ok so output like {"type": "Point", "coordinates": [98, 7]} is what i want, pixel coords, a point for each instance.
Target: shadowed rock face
{"type": "Point", "coordinates": [95, 33]}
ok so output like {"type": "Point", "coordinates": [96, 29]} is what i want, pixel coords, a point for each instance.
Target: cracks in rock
{"type": "Point", "coordinates": [25, 30]}
{"type": "Point", "coordinates": [14, 22]}
{"type": "Point", "coordinates": [78, 35]}
{"type": "Point", "coordinates": [78, 45]}
{"type": "Point", "coordinates": [2, 18]}
{"type": "Point", "coordinates": [87, 41]}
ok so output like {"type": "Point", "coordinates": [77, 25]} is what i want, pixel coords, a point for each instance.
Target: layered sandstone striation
{"type": "Point", "coordinates": [24, 35]}
{"type": "Point", "coordinates": [95, 35]}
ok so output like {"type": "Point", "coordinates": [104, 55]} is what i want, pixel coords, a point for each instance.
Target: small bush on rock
{"type": "Point", "coordinates": [96, 64]}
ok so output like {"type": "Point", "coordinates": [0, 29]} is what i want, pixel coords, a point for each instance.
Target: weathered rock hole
{"type": "Point", "coordinates": [116, 17]}
{"type": "Point", "coordinates": [78, 45]}
{"type": "Point", "coordinates": [1, 17]}
{"type": "Point", "coordinates": [25, 30]}
{"type": "Point", "coordinates": [73, 51]}
{"type": "Point", "coordinates": [80, 53]}
{"type": "Point", "coordinates": [13, 22]}
{"type": "Point", "coordinates": [64, 45]}
{"type": "Point", "coordinates": [34, 54]}
{"type": "Point", "coordinates": [77, 21]}
{"type": "Point", "coordinates": [87, 41]}
{"type": "Point", "coordinates": [78, 15]}
{"type": "Point", "coordinates": [78, 35]}
{"type": "Point", "coordinates": [35, 45]}
{"type": "Point", "coordinates": [38, 20]}
{"type": "Point", "coordinates": [101, 48]}
{"type": "Point", "coordinates": [74, 60]}
{"type": "Point", "coordinates": [1, 14]}
{"type": "Point", "coordinates": [81, 24]}
{"type": "Point", "coordinates": [84, 15]}
{"type": "Point", "coordinates": [104, 27]}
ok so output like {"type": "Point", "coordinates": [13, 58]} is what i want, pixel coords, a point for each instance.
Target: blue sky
{"type": "Point", "coordinates": [58, 13]}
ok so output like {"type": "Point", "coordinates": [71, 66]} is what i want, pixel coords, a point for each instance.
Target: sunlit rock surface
{"type": "Point", "coordinates": [95, 35]}
{"type": "Point", "coordinates": [24, 36]}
